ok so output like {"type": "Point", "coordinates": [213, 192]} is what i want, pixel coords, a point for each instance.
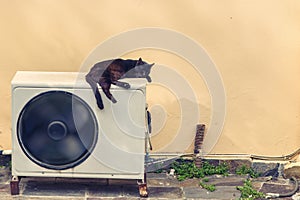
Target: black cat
{"type": "Point", "coordinates": [109, 72]}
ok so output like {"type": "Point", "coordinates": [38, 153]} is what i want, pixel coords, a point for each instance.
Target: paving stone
{"type": "Point", "coordinates": [221, 192]}
{"type": "Point", "coordinates": [131, 191]}
{"type": "Point", "coordinates": [292, 170]}
{"type": "Point", "coordinates": [4, 188]}
{"type": "Point", "coordinates": [156, 176]}
{"type": "Point", "coordinates": [113, 191]}
{"type": "Point", "coordinates": [6, 197]}
{"type": "Point", "coordinates": [263, 179]}
{"type": "Point", "coordinates": [189, 183]}
{"type": "Point", "coordinates": [47, 198]}
{"type": "Point", "coordinates": [256, 185]}
{"type": "Point", "coordinates": [166, 192]}
{"type": "Point", "coordinates": [112, 198]}
{"type": "Point", "coordinates": [5, 192]}
{"type": "Point", "coordinates": [231, 180]}
{"type": "Point", "coordinates": [105, 191]}
{"type": "Point", "coordinates": [166, 182]}
{"type": "Point", "coordinates": [194, 192]}
{"type": "Point", "coordinates": [42, 188]}
{"type": "Point", "coordinates": [276, 188]}
{"type": "Point", "coordinates": [4, 175]}
{"type": "Point", "coordinates": [278, 181]}
{"type": "Point", "coordinates": [296, 196]}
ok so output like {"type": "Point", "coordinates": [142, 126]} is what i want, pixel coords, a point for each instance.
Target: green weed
{"type": "Point", "coordinates": [205, 179]}
{"type": "Point", "coordinates": [243, 170]}
{"type": "Point", "coordinates": [247, 191]}
{"type": "Point", "coordinates": [209, 187]}
{"type": "Point", "coordinates": [185, 169]}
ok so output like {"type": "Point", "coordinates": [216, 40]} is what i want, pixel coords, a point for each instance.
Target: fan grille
{"type": "Point", "coordinates": [57, 130]}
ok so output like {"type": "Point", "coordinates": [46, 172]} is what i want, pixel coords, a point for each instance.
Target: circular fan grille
{"type": "Point", "coordinates": [57, 130]}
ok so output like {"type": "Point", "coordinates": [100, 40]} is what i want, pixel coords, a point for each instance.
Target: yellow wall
{"type": "Point", "coordinates": [255, 46]}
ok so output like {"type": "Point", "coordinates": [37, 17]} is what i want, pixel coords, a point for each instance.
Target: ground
{"type": "Point", "coordinates": [160, 185]}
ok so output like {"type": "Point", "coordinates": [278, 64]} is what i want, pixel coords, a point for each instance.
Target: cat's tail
{"type": "Point", "coordinates": [95, 89]}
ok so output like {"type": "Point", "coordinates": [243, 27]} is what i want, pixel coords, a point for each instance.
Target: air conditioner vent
{"type": "Point", "coordinates": [57, 130]}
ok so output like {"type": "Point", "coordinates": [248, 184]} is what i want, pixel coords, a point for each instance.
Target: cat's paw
{"type": "Point", "coordinates": [126, 85]}
{"type": "Point", "coordinates": [113, 100]}
{"type": "Point", "coordinates": [100, 105]}
{"type": "Point", "coordinates": [122, 85]}
{"type": "Point", "coordinates": [149, 79]}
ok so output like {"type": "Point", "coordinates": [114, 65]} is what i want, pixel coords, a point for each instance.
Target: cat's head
{"type": "Point", "coordinates": [142, 70]}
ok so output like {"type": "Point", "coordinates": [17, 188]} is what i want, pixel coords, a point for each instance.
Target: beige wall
{"type": "Point", "coordinates": [254, 44]}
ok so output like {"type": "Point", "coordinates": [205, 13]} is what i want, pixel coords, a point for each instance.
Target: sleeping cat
{"type": "Point", "coordinates": [109, 72]}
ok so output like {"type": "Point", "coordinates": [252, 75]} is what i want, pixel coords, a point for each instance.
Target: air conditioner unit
{"type": "Point", "coordinates": [58, 130]}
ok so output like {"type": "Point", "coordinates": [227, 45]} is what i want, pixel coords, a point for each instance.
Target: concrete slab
{"type": "Point", "coordinates": [189, 183]}
{"type": "Point", "coordinates": [231, 180]}
{"type": "Point", "coordinates": [292, 170]}
{"type": "Point", "coordinates": [4, 188]}
{"type": "Point", "coordinates": [5, 191]}
{"type": "Point", "coordinates": [157, 175]}
{"type": "Point", "coordinates": [112, 198]}
{"type": "Point", "coordinates": [167, 182]}
{"type": "Point", "coordinates": [105, 191]}
{"type": "Point", "coordinates": [165, 193]}
{"type": "Point", "coordinates": [46, 198]}
{"type": "Point", "coordinates": [4, 175]}
{"type": "Point", "coordinates": [221, 192]}
{"type": "Point", "coordinates": [296, 196]}
{"type": "Point", "coordinates": [276, 188]}
{"type": "Point", "coordinates": [7, 198]}
{"type": "Point", "coordinates": [114, 191]}
{"type": "Point", "coordinates": [43, 188]}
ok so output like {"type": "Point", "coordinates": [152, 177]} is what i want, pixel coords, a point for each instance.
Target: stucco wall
{"type": "Point", "coordinates": [255, 46]}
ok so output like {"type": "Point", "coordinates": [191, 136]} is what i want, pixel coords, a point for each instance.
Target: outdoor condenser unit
{"type": "Point", "coordinates": [58, 130]}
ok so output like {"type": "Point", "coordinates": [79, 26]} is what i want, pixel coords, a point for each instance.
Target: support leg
{"type": "Point", "coordinates": [143, 189]}
{"type": "Point", "coordinates": [14, 185]}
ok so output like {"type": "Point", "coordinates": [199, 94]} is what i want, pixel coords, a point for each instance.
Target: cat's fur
{"type": "Point", "coordinates": [109, 72]}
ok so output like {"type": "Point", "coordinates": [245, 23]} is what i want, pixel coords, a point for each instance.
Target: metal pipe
{"type": "Point", "coordinates": [5, 152]}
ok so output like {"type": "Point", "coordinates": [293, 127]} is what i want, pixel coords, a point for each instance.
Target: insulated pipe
{"type": "Point", "coordinates": [5, 152]}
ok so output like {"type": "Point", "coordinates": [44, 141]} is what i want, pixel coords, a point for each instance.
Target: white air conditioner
{"type": "Point", "coordinates": [58, 130]}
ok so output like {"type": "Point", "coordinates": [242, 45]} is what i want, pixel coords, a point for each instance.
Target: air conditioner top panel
{"type": "Point", "coordinates": [62, 80]}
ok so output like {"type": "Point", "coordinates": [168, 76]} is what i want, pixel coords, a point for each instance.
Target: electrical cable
{"type": "Point", "coordinates": [281, 158]}
{"type": "Point", "coordinates": [287, 157]}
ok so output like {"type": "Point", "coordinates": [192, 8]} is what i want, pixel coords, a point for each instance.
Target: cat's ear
{"type": "Point", "coordinates": [151, 65]}
{"type": "Point", "coordinates": [139, 62]}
